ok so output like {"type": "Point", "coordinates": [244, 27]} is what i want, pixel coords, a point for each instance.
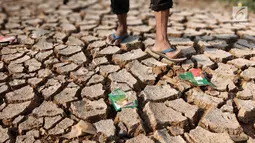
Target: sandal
{"type": "Point", "coordinates": [114, 38]}
{"type": "Point", "coordinates": [159, 54]}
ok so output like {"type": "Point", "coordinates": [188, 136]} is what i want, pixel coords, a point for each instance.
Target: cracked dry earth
{"type": "Point", "coordinates": [62, 71]}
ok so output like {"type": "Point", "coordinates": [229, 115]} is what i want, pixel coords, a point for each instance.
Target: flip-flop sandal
{"type": "Point", "coordinates": [159, 54]}
{"type": "Point", "coordinates": [114, 38]}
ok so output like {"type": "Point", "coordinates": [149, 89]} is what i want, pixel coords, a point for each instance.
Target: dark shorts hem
{"type": "Point", "coordinates": [163, 6]}
{"type": "Point", "coordinates": [120, 6]}
{"type": "Point", "coordinates": [120, 12]}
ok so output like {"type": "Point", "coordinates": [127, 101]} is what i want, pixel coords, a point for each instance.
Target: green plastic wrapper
{"type": "Point", "coordinates": [196, 77]}
{"type": "Point", "coordinates": [119, 100]}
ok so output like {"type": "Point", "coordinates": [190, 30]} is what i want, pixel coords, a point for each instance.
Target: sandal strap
{"type": "Point", "coordinates": [168, 50]}
{"type": "Point", "coordinates": [114, 37]}
{"type": "Point", "coordinates": [121, 37]}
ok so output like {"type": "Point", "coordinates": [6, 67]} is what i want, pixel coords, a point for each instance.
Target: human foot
{"type": "Point", "coordinates": [117, 37]}
{"type": "Point", "coordinates": [166, 48]}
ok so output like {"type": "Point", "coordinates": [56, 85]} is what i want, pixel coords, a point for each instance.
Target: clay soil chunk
{"type": "Point", "coordinates": [123, 77]}
{"type": "Point", "coordinates": [25, 139]}
{"type": "Point", "coordinates": [225, 76]}
{"type": "Point", "coordinates": [142, 72]}
{"type": "Point", "coordinates": [159, 115]}
{"type": "Point", "coordinates": [41, 56]}
{"type": "Point", "coordinates": [68, 28]}
{"type": "Point", "coordinates": [81, 75]}
{"type": "Point", "coordinates": [202, 100]}
{"type": "Point", "coordinates": [72, 41]}
{"type": "Point", "coordinates": [130, 118]}
{"type": "Point", "coordinates": [1, 65]}
{"type": "Point", "coordinates": [8, 58]}
{"type": "Point", "coordinates": [43, 45]}
{"type": "Point", "coordinates": [33, 65]}
{"type": "Point", "coordinates": [49, 88]}
{"type": "Point", "coordinates": [17, 82]}
{"type": "Point", "coordinates": [131, 42]}
{"type": "Point", "coordinates": [95, 79]}
{"type": "Point", "coordinates": [247, 92]}
{"type": "Point", "coordinates": [123, 59]}
{"type": "Point", "coordinates": [241, 52]}
{"type": "Point", "coordinates": [245, 43]}
{"type": "Point", "coordinates": [217, 121]}
{"type": "Point", "coordinates": [12, 110]}
{"type": "Point", "coordinates": [47, 109]}
{"type": "Point", "coordinates": [96, 44]}
{"type": "Point", "coordinates": [60, 36]}
{"type": "Point", "coordinates": [217, 55]}
{"type": "Point", "coordinates": [203, 60]}
{"type": "Point", "coordinates": [67, 95]}
{"type": "Point", "coordinates": [31, 123]}
{"type": "Point", "coordinates": [222, 82]}
{"type": "Point", "coordinates": [190, 111]}
{"type": "Point", "coordinates": [15, 68]}
{"type": "Point", "coordinates": [120, 86]}
{"type": "Point", "coordinates": [106, 127]}
{"type": "Point", "coordinates": [89, 39]}
{"type": "Point", "coordinates": [61, 126]}
{"type": "Point", "coordinates": [70, 50]}
{"type": "Point", "coordinates": [3, 88]}
{"type": "Point", "coordinates": [163, 137]}
{"type": "Point", "coordinates": [3, 76]}
{"type": "Point", "coordinates": [107, 69]}
{"type": "Point", "coordinates": [3, 134]}
{"type": "Point", "coordinates": [140, 28]}
{"type": "Point", "coordinates": [175, 131]}
{"type": "Point", "coordinates": [50, 121]}
{"type": "Point", "coordinates": [157, 67]}
{"type": "Point", "coordinates": [100, 61]}
{"type": "Point", "coordinates": [23, 94]}
{"type": "Point", "coordinates": [249, 74]}
{"type": "Point", "coordinates": [66, 68]}
{"type": "Point", "coordinates": [86, 109]}
{"type": "Point", "coordinates": [181, 41]}
{"type": "Point", "coordinates": [139, 139]}
{"type": "Point", "coordinates": [200, 135]}
{"type": "Point", "coordinates": [110, 50]}
{"type": "Point", "coordinates": [242, 63]}
{"type": "Point", "coordinates": [158, 93]}
{"type": "Point", "coordinates": [187, 50]}
{"type": "Point", "coordinates": [246, 110]}
{"type": "Point", "coordinates": [218, 44]}
{"type": "Point", "coordinates": [93, 92]}
{"type": "Point", "coordinates": [78, 58]}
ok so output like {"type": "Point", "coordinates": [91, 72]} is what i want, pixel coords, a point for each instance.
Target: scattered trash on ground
{"type": "Point", "coordinates": [7, 40]}
{"type": "Point", "coordinates": [119, 100]}
{"type": "Point", "coordinates": [196, 77]}
{"type": "Point", "coordinates": [79, 129]}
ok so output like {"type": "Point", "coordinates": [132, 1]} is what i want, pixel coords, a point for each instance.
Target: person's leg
{"type": "Point", "coordinates": [122, 25]}
{"type": "Point", "coordinates": [161, 11]}
{"type": "Point", "coordinates": [120, 8]}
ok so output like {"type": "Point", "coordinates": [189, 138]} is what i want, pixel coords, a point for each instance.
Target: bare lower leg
{"type": "Point", "coordinates": [122, 25]}
{"type": "Point", "coordinates": [161, 42]}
